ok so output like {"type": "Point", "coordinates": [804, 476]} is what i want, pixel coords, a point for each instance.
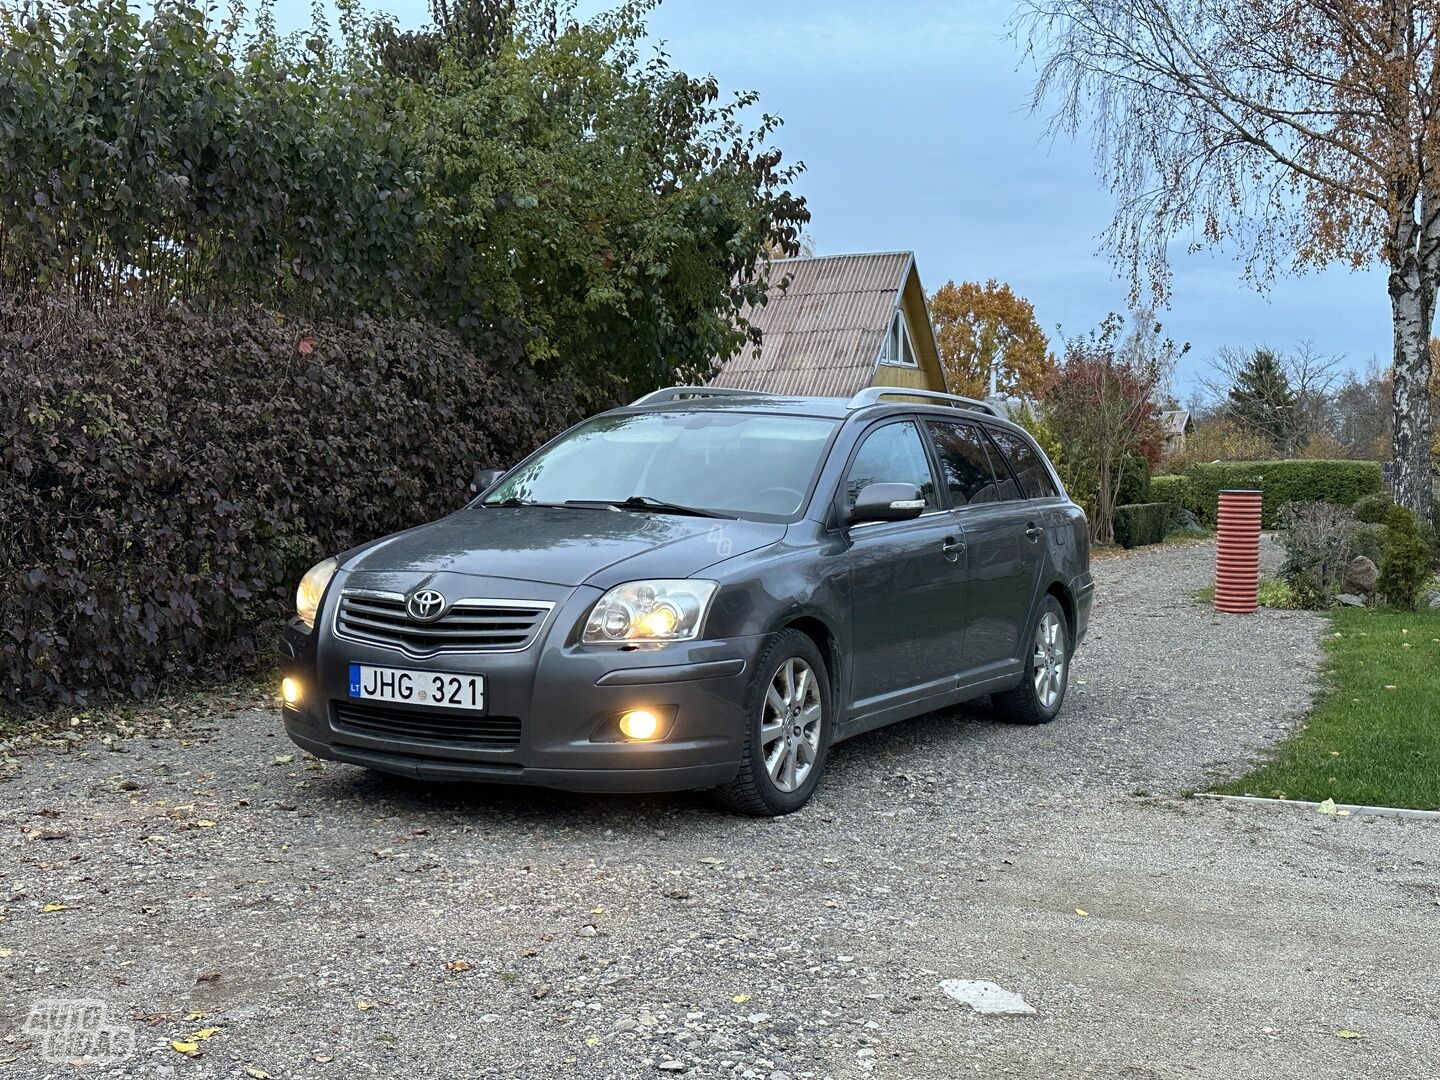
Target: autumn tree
{"type": "Point", "coordinates": [1100, 402]}
{"type": "Point", "coordinates": [1295, 133]}
{"type": "Point", "coordinates": [978, 327]}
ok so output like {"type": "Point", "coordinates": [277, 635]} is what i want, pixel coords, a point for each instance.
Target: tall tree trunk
{"type": "Point", "coordinates": [1412, 305]}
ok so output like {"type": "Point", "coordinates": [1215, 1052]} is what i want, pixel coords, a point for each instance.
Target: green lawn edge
{"type": "Point", "coordinates": [1373, 735]}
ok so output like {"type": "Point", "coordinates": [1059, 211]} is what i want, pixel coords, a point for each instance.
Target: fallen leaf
{"type": "Point", "coordinates": [184, 1047]}
{"type": "Point", "coordinates": [1326, 807]}
{"type": "Point", "coordinates": [204, 823]}
{"type": "Point", "coordinates": [458, 965]}
{"type": "Point", "coordinates": [597, 911]}
{"type": "Point", "coordinates": [1082, 911]}
{"type": "Point", "coordinates": [740, 999]}
{"type": "Point", "coordinates": [363, 1005]}
{"type": "Point", "coordinates": [592, 1040]}
{"type": "Point", "coordinates": [55, 907]}
{"type": "Point", "coordinates": [203, 1034]}
{"type": "Point", "coordinates": [256, 1074]}
{"type": "Point", "coordinates": [284, 759]}
{"type": "Point", "coordinates": [5, 952]}
{"type": "Point", "coordinates": [1345, 1033]}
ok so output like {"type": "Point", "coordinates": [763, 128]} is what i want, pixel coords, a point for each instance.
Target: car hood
{"type": "Point", "coordinates": [564, 545]}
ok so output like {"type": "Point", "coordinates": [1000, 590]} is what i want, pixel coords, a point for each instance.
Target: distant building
{"type": "Point", "coordinates": [1175, 424]}
{"type": "Point", "coordinates": [841, 323]}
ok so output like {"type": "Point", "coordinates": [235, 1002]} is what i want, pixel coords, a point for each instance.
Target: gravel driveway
{"type": "Point", "coordinates": [318, 921]}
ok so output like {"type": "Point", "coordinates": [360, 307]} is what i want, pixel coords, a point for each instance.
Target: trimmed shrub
{"type": "Point", "coordinates": [1283, 482]}
{"type": "Point", "coordinates": [1171, 489]}
{"type": "Point", "coordinates": [1372, 509]}
{"type": "Point", "coordinates": [1142, 523]}
{"type": "Point", "coordinates": [165, 481]}
{"type": "Point", "coordinates": [1405, 562]}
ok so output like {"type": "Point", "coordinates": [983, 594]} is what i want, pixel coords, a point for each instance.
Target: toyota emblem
{"type": "Point", "coordinates": [425, 605]}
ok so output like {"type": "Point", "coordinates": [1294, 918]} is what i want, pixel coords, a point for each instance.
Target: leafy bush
{"type": "Point", "coordinates": [1369, 541]}
{"type": "Point", "coordinates": [1283, 482]}
{"type": "Point", "coordinates": [1319, 541]}
{"type": "Point", "coordinates": [1405, 564]}
{"type": "Point", "coordinates": [164, 481]}
{"type": "Point", "coordinates": [1132, 480]}
{"type": "Point", "coordinates": [1373, 509]}
{"type": "Point", "coordinates": [535, 181]}
{"type": "Point", "coordinates": [1171, 489]}
{"type": "Point", "coordinates": [1142, 523]}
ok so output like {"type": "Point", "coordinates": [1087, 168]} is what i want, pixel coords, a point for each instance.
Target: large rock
{"type": "Point", "coordinates": [1360, 576]}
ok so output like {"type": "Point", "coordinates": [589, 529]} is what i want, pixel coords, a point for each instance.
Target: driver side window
{"type": "Point", "coordinates": [892, 454]}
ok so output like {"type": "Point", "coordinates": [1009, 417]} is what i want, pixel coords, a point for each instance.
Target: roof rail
{"type": "Point", "coordinates": [871, 395]}
{"type": "Point", "coordinates": [675, 393]}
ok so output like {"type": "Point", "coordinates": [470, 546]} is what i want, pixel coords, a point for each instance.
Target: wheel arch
{"type": "Point", "coordinates": [1062, 593]}
{"type": "Point", "coordinates": [828, 642]}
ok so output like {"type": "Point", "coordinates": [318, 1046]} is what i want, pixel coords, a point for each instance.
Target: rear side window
{"type": "Point", "coordinates": [892, 454]}
{"type": "Point", "coordinates": [1027, 465]}
{"type": "Point", "coordinates": [965, 463]}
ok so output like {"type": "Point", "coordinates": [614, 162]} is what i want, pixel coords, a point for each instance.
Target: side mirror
{"type": "Point", "coordinates": [887, 502]}
{"type": "Point", "coordinates": [485, 479]}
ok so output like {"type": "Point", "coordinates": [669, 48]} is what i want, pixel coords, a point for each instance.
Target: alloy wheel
{"type": "Point", "coordinates": [1048, 667]}
{"type": "Point", "coordinates": [791, 725]}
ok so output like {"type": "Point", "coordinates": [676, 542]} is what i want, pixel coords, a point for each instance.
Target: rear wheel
{"type": "Point", "coordinates": [787, 729]}
{"type": "Point", "coordinates": [1047, 670]}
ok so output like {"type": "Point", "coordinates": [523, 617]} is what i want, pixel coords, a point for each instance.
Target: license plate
{"type": "Point", "coordinates": [407, 686]}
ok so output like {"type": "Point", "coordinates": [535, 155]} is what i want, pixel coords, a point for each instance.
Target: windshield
{"type": "Point", "coordinates": [744, 464]}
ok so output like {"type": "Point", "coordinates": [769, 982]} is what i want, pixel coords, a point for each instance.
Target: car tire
{"type": "Point", "coordinates": [783, 756]}
{"type": "Point", "coordinates": [1041, 692]}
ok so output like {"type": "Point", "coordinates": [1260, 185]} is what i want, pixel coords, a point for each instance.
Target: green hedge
{"type": "Point", "coordinates": [1340, 482]}
{"type": "Point", "coordinates": [1142, 523]}
{"type": "Point", "coordinates": [165, 480]}
{"type": "Point", "coordinates": [1171, 489]}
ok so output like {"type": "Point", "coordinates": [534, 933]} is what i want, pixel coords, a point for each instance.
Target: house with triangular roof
{"type": "Point", "coordinates": [835, 324]}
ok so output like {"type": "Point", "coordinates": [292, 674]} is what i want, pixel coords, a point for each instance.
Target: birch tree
{"type": "Point", "coordinates": [1296, 133]}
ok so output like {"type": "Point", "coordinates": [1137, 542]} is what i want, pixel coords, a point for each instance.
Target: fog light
{"type": "Point", "coordinates": [289, 690]}
{"type": "Point", "coordinates": [639, 724]}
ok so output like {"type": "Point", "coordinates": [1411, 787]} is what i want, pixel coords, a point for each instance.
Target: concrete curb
{"type": "Point", "coordinates": [1355, 811]}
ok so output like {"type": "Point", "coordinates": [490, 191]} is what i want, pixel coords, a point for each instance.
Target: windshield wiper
{"type": "Point", "coordinates": [512, 501]}
{"type": "Point", "coordinates": [645, 502]}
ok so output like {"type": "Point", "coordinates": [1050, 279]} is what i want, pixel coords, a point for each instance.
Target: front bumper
{"type": "Point", "coordinates": [560, 693]}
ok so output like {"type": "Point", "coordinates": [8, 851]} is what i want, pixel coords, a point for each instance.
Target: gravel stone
{"type": "Point", "coordinates": [318, 915]}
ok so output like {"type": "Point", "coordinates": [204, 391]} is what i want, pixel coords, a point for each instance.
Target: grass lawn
{"type": "Point", "coordinates": [1374, 737]}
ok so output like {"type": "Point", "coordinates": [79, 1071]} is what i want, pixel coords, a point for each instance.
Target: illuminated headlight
{"type": "Point", "coordinates": [649, 611]}
{"type": "Point", "coordinates": [312, 588]}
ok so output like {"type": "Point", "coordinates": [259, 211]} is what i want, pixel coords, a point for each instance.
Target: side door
{"type": "Point", "coordinates": [1000, 582]}
{"type": "Point", "coordinates": [907, 578]}
{"type": "Point", "coordinates": [1034, 499]}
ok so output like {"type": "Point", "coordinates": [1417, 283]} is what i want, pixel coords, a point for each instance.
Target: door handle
{"type": "Point", "coordinates": [1034, 532]}
{"type": "Point", "coordinates": [952, 547]}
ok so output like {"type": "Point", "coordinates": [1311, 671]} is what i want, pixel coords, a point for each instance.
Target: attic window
{"type": "Point", "coordinates": [898, 349]}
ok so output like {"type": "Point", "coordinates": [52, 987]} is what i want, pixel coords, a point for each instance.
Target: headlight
{"type": "Point", "coordinates": [312, 588]}
{"type": "Point", "coordinates": [649, 611]}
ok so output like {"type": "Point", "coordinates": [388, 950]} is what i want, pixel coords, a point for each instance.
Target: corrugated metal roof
{"type": "Point", "coordinates": [1175, 421]}
{"type": "Point", "coordinates": [821, 334]}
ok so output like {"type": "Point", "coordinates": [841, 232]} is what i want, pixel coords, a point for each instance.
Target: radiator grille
{"type": "Point", "coordinates": [469, 625]}
{"type": "Point", "coordinates": [438, 725]}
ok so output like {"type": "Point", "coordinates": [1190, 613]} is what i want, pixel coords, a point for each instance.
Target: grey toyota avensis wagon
{"type": "Point", "coordinates": [706, 589]}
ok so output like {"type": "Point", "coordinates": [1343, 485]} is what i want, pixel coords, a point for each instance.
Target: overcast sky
{"type": "Point", "coordinates": [912, 120]}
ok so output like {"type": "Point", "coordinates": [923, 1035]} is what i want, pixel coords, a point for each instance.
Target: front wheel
{"type": "Point", "coordinates": [787, 729]}
{"type": "Point", "coordinates": [1047, 670]}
